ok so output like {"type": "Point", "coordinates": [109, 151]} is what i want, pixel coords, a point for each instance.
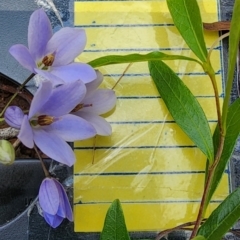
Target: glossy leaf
{"type": "Point", "coordinates": [199, 238]}
{"type": "Point", "coordinates": [186, 17]}
{"type": "Point", "coordinates": [183, 106]}
{"type": "Point", "coordinates": [222, 218]}
{"type": "Point", "coordinates": [233, 50]}
{"type": "Point", "coordinates": [232, 133]}
{"type": "Point", "coordinates": [114, 226]}
{"type": "Point", "coordinates": [132, 58]}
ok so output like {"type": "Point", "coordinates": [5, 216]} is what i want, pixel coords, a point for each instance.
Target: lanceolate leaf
{"type": "Point", "coordinates": [183, 106]}
{"type": "Point", "coordinates": [131, 58]}
{"type": "Point", "coordinates": [199, 238]}
{"type": "Point", "coordinates": [233, 51]}
{"type": "Point", "coordinates": [114, 226]}
{"type": "Point", "coordinates": [232, 133]}
{"type": "Point", "coordinates": [222, 218]}
{"type": "Point", "coordinates": [186, 17]}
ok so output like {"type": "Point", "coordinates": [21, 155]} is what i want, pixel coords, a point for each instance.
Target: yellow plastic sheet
{"type": "Point", "coordinates": [148, 162]}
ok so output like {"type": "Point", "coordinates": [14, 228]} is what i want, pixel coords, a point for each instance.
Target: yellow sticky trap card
{"type": "Point", "coordinates": [148, 162]}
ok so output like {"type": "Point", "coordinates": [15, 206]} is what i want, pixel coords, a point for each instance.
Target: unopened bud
{"type": "Point", "coordinates": [7, 152]}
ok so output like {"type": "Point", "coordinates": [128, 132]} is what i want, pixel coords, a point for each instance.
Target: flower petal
{"type": "Point", "coordinates": [102, 127]}
{"type": "Point", "coordinates": [49, 196]}
{"type": "Point", "coordinates": [93, 85]}
{"type": "Point", "coordinates": [53, 220]}
{"type": "Point", "coordinates": [54, 147]}
{"type": "Point", "coordinates": [49, 76]}
{"type": "Point", "coordinates": [61, 209]}
{"type": "Point", "coordinates": [71, 128]}
{"type": "Point", "coordinates": [102, 101]}
{"type": "Point", "coordinates": [75, 71]}
{"type": "Point", "coordinates": [39, 33]}
{"type": "Point", "coordinates": [64, 209]}
{"type": "Point", "coordinates": [26, 134]}
{"type": "Point", "coordinates": [67, 207]}
{"type": "Point", "coordinates": [14, 116]}
{"type": "Point", "coordinates": [23, 56]}
{"type": "Point", "coordinates": [40, 98]}
{"type": "Point", "coordinates": [64, 99]}
{"type": "Point", "coordinates": [66, 44]}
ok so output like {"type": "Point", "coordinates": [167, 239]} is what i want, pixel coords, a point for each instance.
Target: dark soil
{"type": "Point", "coordinates": [7, 88]}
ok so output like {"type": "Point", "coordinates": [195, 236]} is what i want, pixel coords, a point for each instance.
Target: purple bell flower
{"type": "Point", "coordinates": [52, 55]}
{"type": "Point", "coordinates": [49, 124]}
{"type": "Point", "coordinates": [95, 103]}
{"type": "Point", "coordinates": [54, 202]}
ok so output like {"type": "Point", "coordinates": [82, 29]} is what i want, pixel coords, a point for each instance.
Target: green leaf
{"type": "Point", "coordinates": [131, 58]}
{"type": "Point", "coordinates": [186, 17]}
{"type": "Point", "coordinates": [199, 237]}
{"type": "Point", "coordinates": [232, 133]}
{"type": "Point", "coordinates": [222, 218]}
{"type": "Point", "coordinates": [183, 106]}
{"type": "Point", "coordinates": [234, 38]}
{"type": "Point", "coordinates": [114, 226]}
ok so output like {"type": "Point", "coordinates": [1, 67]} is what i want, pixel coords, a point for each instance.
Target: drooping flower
{"type": "Point", "coordinates": [49, 124]}
{"type": "Point", "coordinates": [95, 103]}
{"type": "Point", "coordinates": [54, 202]}
{"type": "Point", "coordinates": [52, 55]}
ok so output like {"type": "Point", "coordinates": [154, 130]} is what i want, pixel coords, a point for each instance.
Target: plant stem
{"type": "Point", "coordinates": [215, 43]}
{"type": "Point", "coordinates": [16, 143]}
{"type": "Point", "coordinates": [11, 89]}
{"type": "Point", "coordinates": [47, 174]}
{"type": "Point", "coordinates": [184, 225]}
{"type": "Point", "coordinates": [16, 93]}
{"type": "Point", "coordinates": [211, 74]}
{"type": "Point", "coordinates": [212, 167]}
{"type": "Point", "coordinates": [204, 201]}
{"type": "Point", "coordinates": [2, 121]}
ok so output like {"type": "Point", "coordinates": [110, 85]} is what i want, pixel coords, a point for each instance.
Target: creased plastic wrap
{"type": "Point", "coordinates": [148, 162]}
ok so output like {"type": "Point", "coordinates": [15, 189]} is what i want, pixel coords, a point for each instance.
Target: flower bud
{"type": "Point", "coordinates": [7, 152]}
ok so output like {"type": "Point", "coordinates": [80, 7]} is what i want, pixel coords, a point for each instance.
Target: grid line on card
{"type": "Point", "coordinates": [152, 202]}
{"type": "Point", "coordinates": [147, 74]}
{"type": "Point", "coordinates": [125, 25]}
{"type": "Point", "coordinates": [142, 49]}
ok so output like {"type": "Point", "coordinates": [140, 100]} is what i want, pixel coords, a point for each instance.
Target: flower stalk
{"type": "Point", "coordinates": [209, 70]}
{"type": "Point", "coordinates": [183, 226]}
{"type": "Point", "coordinates": [212, 166]}
{"type": "Point", "coordinates": [46, 172]}
{"type": "Point", "coordinates": [16, 93]}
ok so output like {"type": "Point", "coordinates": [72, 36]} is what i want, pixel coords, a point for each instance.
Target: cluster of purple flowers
{"type": "Point", "coordinates": [66, 106]}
